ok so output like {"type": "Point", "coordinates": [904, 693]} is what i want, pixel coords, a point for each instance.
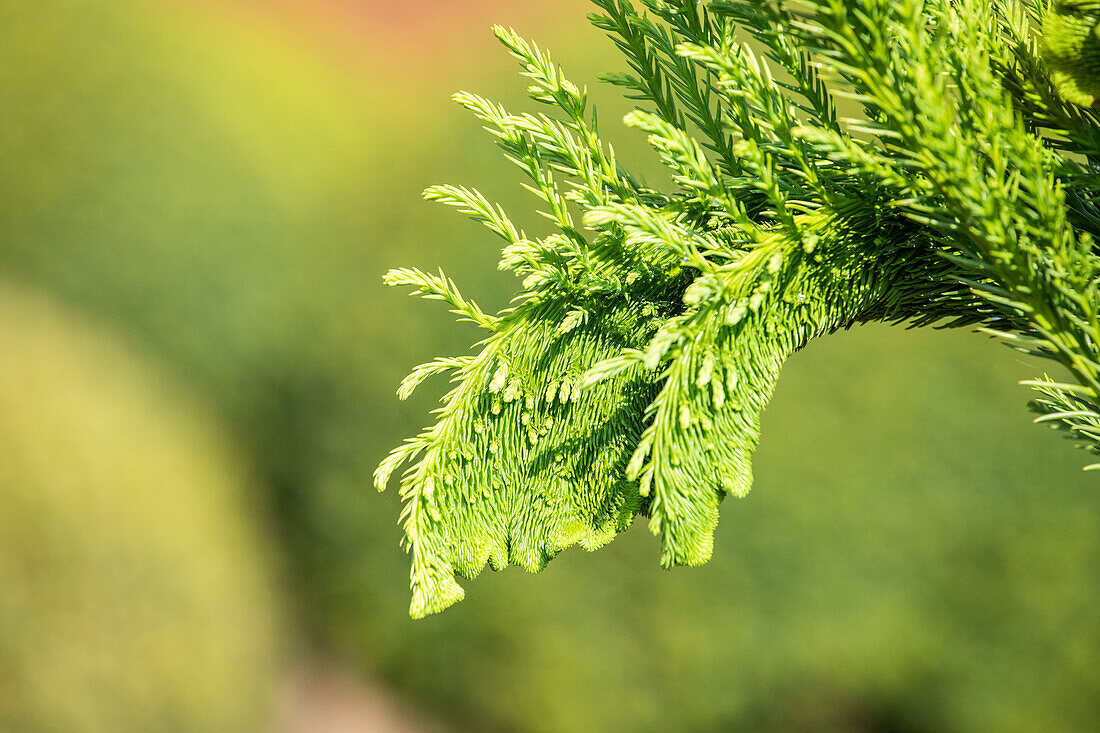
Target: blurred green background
{"type": "Point", "coordinates": [197, 368]}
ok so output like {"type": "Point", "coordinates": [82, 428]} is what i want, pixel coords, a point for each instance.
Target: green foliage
{"type": "Point", "coordinates": [1071, 46]}
{"type": "Point", "coordinates": [900, 508]}
{"type": "Point", "coordinates": [135, 593]}
{"type": "Point", "coordinates": [631, 371]}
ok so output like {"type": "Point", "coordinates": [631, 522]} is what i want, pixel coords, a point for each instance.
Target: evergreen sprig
{"type": "Point", "coordinates": [630, 373]}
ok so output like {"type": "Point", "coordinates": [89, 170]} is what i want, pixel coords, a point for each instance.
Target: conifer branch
{"type": "Point", "coordinates": [631, 372]}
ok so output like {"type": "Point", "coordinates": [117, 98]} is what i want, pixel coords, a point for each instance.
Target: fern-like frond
{"type": "Point", "coordinates": [630, 375]}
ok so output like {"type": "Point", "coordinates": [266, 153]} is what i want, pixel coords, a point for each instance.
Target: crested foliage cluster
{"type": "Point", "coordinates": [630, 372]}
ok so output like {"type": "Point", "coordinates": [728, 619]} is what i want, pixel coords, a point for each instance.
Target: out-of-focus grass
{"type": "Point", "coordinates": [915, 556]}
{"type": "Point", "coordinates": [135, 589]}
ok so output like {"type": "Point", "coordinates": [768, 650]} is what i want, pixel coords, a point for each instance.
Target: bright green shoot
{"type": "Point", "coordinates": [630, 374]}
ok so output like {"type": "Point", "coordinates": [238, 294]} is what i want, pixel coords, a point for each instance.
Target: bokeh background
{"type": "Point", "coordinates": [197, 372]}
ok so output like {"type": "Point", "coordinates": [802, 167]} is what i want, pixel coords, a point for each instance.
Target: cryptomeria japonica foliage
{"type": "Point", "coordinates": [629, 375]}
